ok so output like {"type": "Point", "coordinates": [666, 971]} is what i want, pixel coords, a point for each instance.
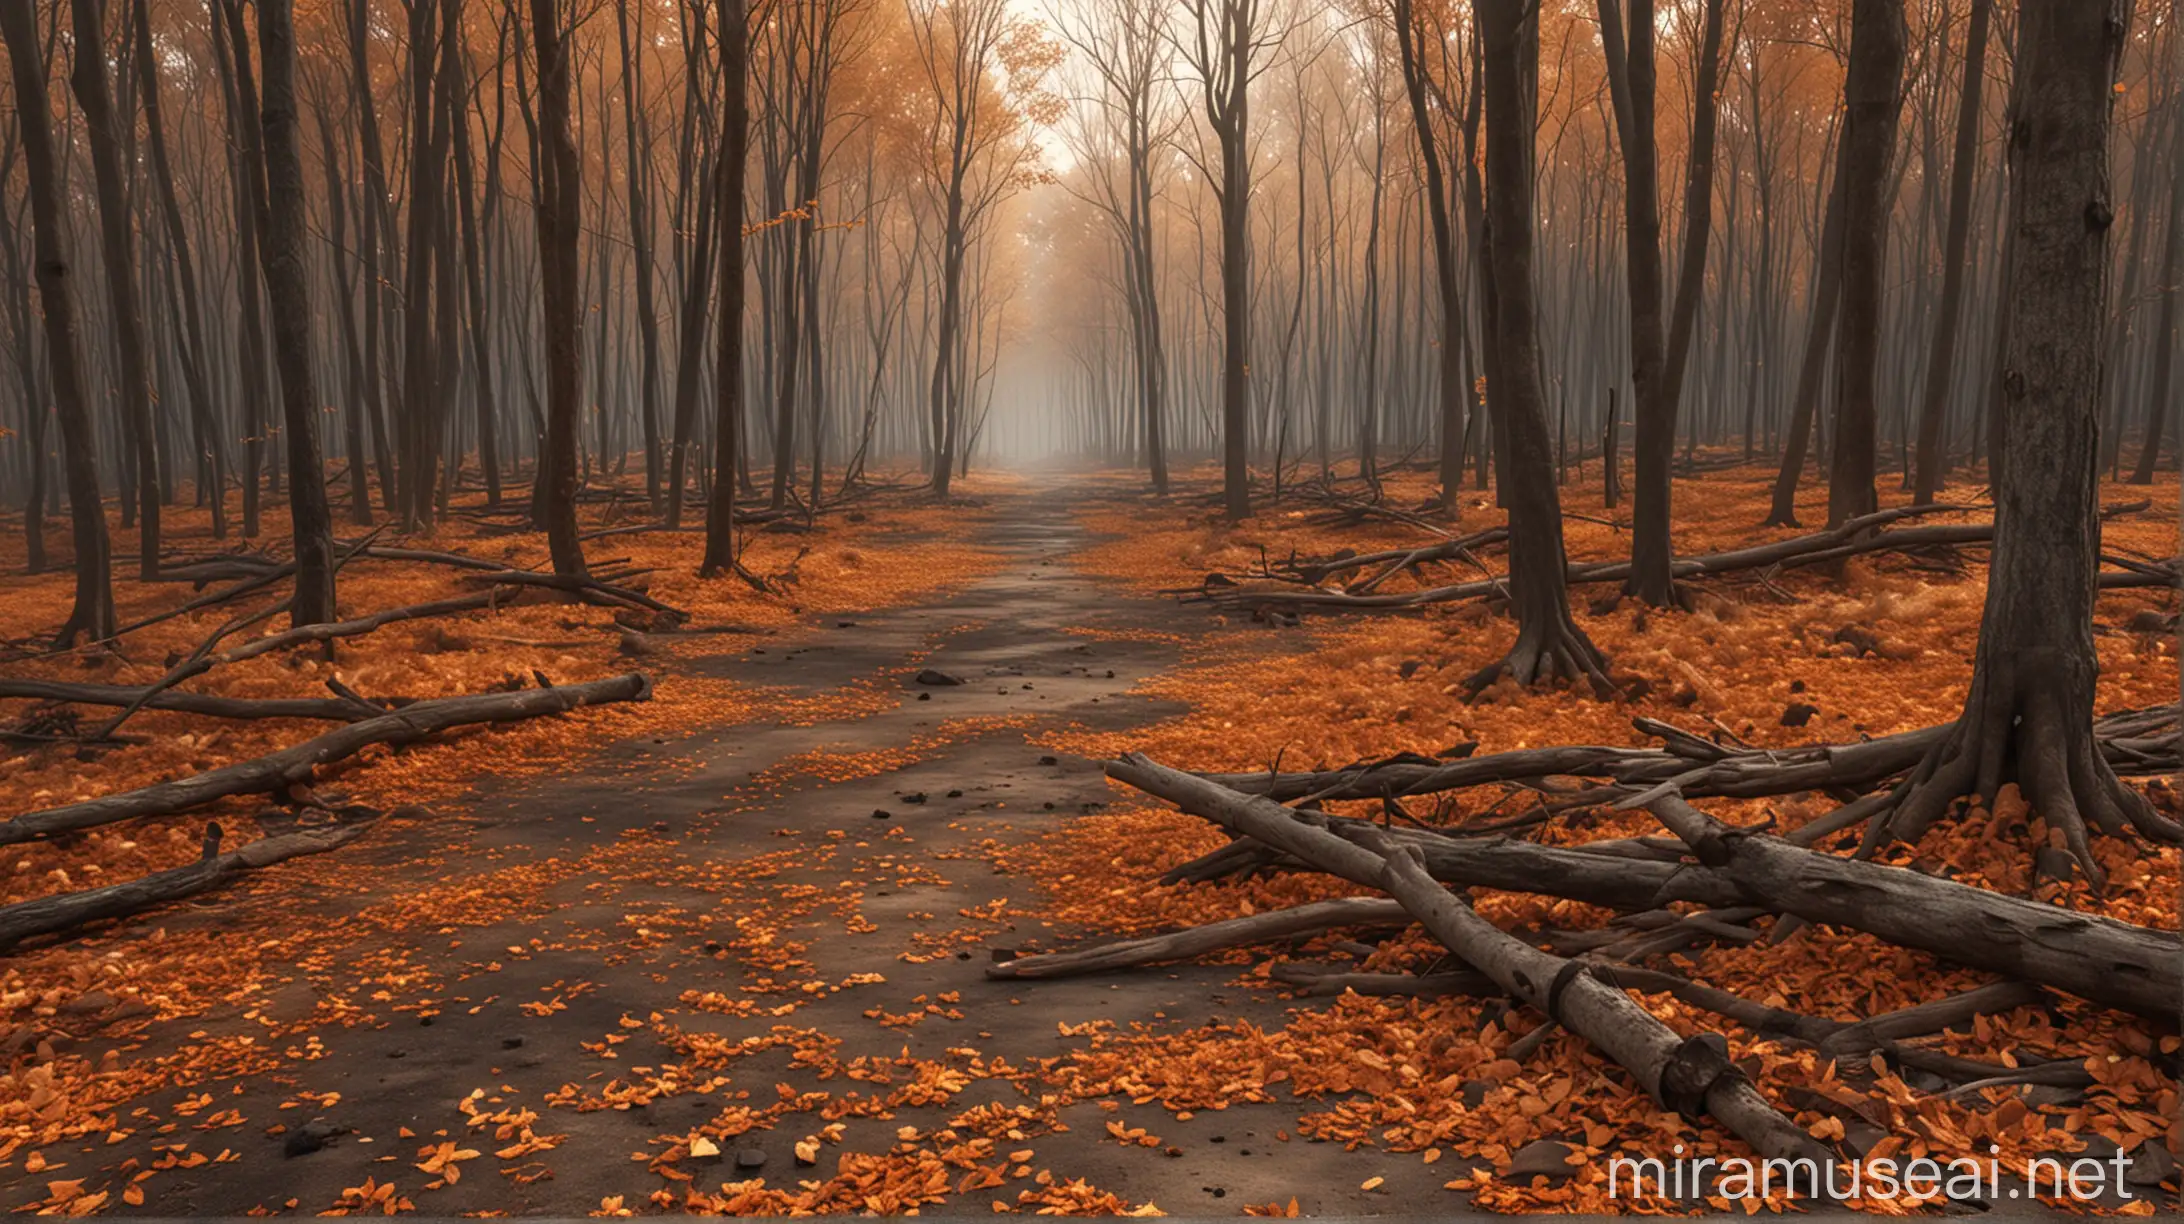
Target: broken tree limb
{"type": "Point", "coordinates": [1692, 1076]}
{"type": "Point", "coordinates": [333, 709]}
{"type": "Point", "coordinates": [1608, 880]}
{"type": "Point", "coordinates": [67, 911]}
{"type": "Point", "coordinates": [2114, 963]}
{"type": "Point", "coordinates": [1313, 981]}
{"type": "Point", "coordinates": [1229, 933]}
{"type": "Point", "coordinates": [291, 766]}
{"type": "Point", "coordinates": [2134, 968]}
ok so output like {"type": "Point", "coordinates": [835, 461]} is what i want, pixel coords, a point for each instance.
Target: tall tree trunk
{"type": "Point", "coordinates": [232, 54]}
{"type": "Point", "coordinates": [735, 54]}
{"type": "Point", "coordinates": [1549, 643]}
{"type": "Point", "coordinates": [93, 612]}
{"type": "Point", "coordinates": [2029, 716]}
{"type": "Point", "coordinates": [192, 337]}
{"type": "Point", "coordinates": [1410, 44]}
{"type": "Point", "coordinates": [559, 208]}
{"type": "Point", "coordinates": [117, 252]}
{"type": "Point", "coordinates": [1963, 169]}
{"type": "Point", "coordinates": [638, 163]}
{"type": "Point", "coordinates": [290, 294]}
{"type": "Point", "coordinates": [2160, 401]}
{"type": "Point", "coordinates": [1872, 97]}
{"type": "Point", "coordinates": [1827, 273]}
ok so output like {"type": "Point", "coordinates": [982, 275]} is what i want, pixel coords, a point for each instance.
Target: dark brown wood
{"type": "Point", "coordinates": [92, 614]}
{"type": "Point", "coordinates": [288, 290]}
{"type": "Point", "coordinates": [70, 911]}
{"type": "Point", "coordinates": [1872, 99]}
{"type": "Point", "coordinates": [1311, 919]}
{"type": "Point", "coordinates": [2029, 716]}
{"type": "Point", "coordinates": [2113, 963]}
{"type": "Point", "coordinates": [293, 766]}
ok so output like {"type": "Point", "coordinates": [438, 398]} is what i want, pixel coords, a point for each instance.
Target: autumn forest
{"type": "Point", "coordinates": [1090, 607]}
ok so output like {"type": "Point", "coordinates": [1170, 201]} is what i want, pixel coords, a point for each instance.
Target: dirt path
{"type": "Point", "coordinates": [580, 948]}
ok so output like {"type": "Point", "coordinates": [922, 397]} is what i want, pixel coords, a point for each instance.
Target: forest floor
{"type": "Point", "coordinates": [726, 949]}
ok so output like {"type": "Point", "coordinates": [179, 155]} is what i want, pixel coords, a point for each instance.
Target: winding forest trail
{"type": "Point", "coordinates": [692, 936]}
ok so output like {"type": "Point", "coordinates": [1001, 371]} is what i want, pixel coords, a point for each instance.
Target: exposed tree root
{"type": "Point", "coordinates": [2017, 729]}
{"type": "Point", "coordinates": [1546, 652]}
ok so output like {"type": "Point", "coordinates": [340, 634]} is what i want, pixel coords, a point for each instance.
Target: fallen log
{"type": "Point", "coordinates": [1609, 880]}
{"type": "Point", "coordinates": [1314, 982]}
{"type": "Point", "coordinates": [68, 911]}
{"type": "Point", "coordinates": [292, 766]}
{"type": "Point", "coordinates": [332, 709]}
{"type": "Point", "coordinates": [1691, 1076]}
{"type": "Point", "coordinates": [1195, 941]}
{"type": "Point", "coordinates": [2117, 964]}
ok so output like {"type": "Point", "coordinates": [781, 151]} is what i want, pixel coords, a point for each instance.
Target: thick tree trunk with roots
{"type": "Point", "coordinates": [1549, 644]}
{"type": "Point", "coordinates": [2029, 718]}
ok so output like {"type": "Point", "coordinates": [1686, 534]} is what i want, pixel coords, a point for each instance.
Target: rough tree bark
{"type": "Point", "coordinates": [1872, 99]}
{"type": "Point", "coordinates": [735, 53]}
{"type": "Point", "coordinates": [1410, 44]}
{"type": "Point", "coordinates": [93, 613]}
{"type": "Point", "coordinates": [560, 203]}
{"type": "Point", "coordinates": [191, 341]}
{"type": "Point", "coordinates": [117, 256]}
{"type": "Point", "coordinates": [1963, 168]}
{"type": "Point", "coordinates": [1549, 643]}
{"type": "Point", "coordinates": [2160, 405]}
{"type": "Point", "coordinates": [282, 253]}
{"type": "Point", "coordinates": [2029, 716]}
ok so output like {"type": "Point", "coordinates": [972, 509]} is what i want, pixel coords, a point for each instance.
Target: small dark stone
{"type": "Point", "coordinates": [308, 1138]}
{"type": "Point", "coordinates": [1049, 807]}
{"type": "Point", "coordinates": [1797, 686]}
{"type": "Point", "coordinates": [1220, 1138]}
{"type": "Point", "coordinates": [1172, 1153]}
{"type": "Point", "coordinates": [935, 678]}
{"type": "Point", "coordinates": [2147, 620]}
{"type": "Point", "coordinates": [925, 696]}
{"type": "Point", "coordinates": [659, 826]}
{"type": "Point", "coordinates": [712, 945]}
{"type": "Point", "coordinates": [1409, 668]}
{"type": "Point", "coordinates": [1110, 674]}
{"type": "Point", "coordinates": [1859, 638]}
{"type": "Point", "coordinates": [2150, 1165]}
{"type": "Point", "coordinates": [962, 955]}
{"type": "Point", "coordinates": [511, 1043]}
{"type": "Point", "coordinates": [882, 814]}
{"type": "Point", "coordinates": [914, 797]}
{"type": "Point", "coordinates": [1547, 1158]}
{"type": "Point", "coordinates": [751, 1158]}
{"type": "Point", "coordinates": [955, 794]}
{"type": "Point", "coordinates": [1046, 760]}
{"type": "Point", "coordinates": [1217, 1192]}
{"type": "Point", "coordinates": [1798, 714]}
{"type": "Point", "coordinates": [424, 1021]}
{"type": "Point", "coordinates": [1004, 955]}
{"type": "Point", "coordinates": [398, 1053]}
